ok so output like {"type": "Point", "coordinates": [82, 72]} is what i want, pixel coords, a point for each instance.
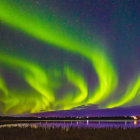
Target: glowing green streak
{"type": "Point", "coordinates": [17, 102]}
{"type": "Point", "coordinates": [3, 86]}
{"type": "Point", "coordinates": [14, 101]}
{"type": "Point", "coordinates": [107, 77]}
{"type": "Point", "coordinates": [33, 74]}
{"type": "Point", "coordinates": [77, 95]}
{"type": "Point", "coordinates": [49, 29]}
{"type": "Point", "coordinates": [36, 77]}
{"type": "Point", "coordinates": [129, 95]}
{"type": "Point", "coordinates": [79, 82]}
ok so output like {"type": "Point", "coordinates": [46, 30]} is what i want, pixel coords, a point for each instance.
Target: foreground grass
{"type": "Point", "coordinates": [17, 133]}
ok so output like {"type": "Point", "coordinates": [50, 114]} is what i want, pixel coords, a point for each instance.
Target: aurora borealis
{"type": "Point", "coordinates": [51, 60]}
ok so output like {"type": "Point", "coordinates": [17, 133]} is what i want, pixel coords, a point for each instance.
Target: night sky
{"type": "Point", "coordinates": [60, 54]}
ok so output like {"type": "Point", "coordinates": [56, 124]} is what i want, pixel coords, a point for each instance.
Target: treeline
{"type": "Point", "coordinates": [64, 118]}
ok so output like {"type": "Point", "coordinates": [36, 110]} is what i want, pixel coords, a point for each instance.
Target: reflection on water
{"type": "Point", "coordinates": [135, 122]}
{"type": "Point", "coordinates": [73, 123]}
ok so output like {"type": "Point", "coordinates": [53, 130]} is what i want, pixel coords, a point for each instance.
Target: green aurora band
{"type": "Point", "coordinates": [53, 31]}
{"type": "Point", "coordinates": [130, 93]}
{"type": "Point", "coordinates": [46, 27]}
{"type": "Point", "coordinates": [31, 73]}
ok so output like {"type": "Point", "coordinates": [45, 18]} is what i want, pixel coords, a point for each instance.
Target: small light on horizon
{"type": "Point", "coordinates": [134, 117]}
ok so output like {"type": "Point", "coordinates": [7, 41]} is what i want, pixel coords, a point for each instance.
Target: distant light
{"type": "Point", "coordinates": [135, 122]}
{"type": "Point", "coordinates": [134, 117]}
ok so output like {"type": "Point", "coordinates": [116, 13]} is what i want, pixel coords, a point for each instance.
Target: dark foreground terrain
{"type": "Point", "coordinates": [17, 133]}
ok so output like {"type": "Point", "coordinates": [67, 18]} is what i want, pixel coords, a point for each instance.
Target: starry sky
{"type": "Point", "coordinates": [61, 54]}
